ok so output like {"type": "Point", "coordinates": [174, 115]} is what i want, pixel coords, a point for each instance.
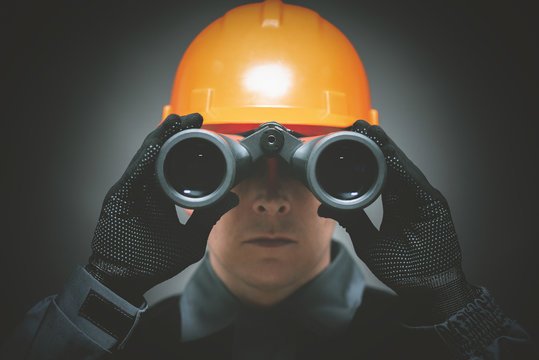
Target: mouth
{"type": "Point", "coordinates": [270, 242]}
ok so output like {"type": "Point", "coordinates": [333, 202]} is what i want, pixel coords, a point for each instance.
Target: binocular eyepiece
{"type": "Point", "coordinates": [344, 169]}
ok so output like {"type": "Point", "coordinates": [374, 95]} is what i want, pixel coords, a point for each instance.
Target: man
{"type": "Point", "coordinates": [272, 285]}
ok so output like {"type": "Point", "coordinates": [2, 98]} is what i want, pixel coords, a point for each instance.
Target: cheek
{"type": "Point", "coordinates": [222, 231]}
{"type": "Point", "coordinates": [306, 206]}
{"type": "Point", "coordinates": [229, 227]}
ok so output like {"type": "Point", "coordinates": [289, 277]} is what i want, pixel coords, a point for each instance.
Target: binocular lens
{"type": "Point", "coordinates": [346, 169]}
{"type": "Point", "coordinates": [195, 167]}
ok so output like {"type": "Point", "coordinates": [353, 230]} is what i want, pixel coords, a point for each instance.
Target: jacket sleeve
{"type": "Point", "coordinates": [482, 331]}
{"type": "Point", "coordinates": [85, 321]}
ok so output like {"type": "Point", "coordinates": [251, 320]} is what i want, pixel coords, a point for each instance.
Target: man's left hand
{"type": "Point", "coordinates": [415, 252]}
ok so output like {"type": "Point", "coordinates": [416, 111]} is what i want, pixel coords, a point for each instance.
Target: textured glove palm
{"type": "Point", "coordinates": [138, 241]}
{"type": "Point", "coordinates": [415, 252]}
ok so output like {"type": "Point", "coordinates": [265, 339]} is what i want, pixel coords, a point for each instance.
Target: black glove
{"type": "Point", "coordinates": [139, 241]}
{"type": "Point", "coordinates": [415, 252]}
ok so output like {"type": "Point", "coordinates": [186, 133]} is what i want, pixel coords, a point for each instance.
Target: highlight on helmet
{"type": "Point", "coordinates": [271, 61]}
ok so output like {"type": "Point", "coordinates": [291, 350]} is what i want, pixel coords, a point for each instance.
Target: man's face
{"type": "Point", "coordinates": [273, 240]}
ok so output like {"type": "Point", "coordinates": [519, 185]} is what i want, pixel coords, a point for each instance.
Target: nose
{"type": "Point", "coordinates": [271, 206]}
{"type": "Point", "coordinates": [271, 201]}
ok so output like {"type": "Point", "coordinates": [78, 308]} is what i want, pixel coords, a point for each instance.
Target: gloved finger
{"type": "Point", "coordinates": [172, 125]}
{"type": "Point", "coordinates": [407, 190]}
{"type": "Point", "coordinates": [406, 181]}
{"type": "Point", "coordinates": [141, 167]}
{"type": "Point", "coordinates": [379, 136]}
{"type": "Point", "coordinates": [195, 233]}
{"type": "Point", "coordinates": [356, 223]}
{"type": "Point", "coordinates": [202, 220]}
{"type": "Point", "coordinates": [373, 132]}
{"type": "Point", "coordinates": [404, 177]}
{"type": "Point", "coordinates": [360, 126]}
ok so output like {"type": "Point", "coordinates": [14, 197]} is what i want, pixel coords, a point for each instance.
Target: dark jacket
{"type": "Point", "coordinates": [88, 321]}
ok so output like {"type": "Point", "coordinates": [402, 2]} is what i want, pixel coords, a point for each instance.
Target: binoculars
{"type": "Point", "coordinates": [344, 169]}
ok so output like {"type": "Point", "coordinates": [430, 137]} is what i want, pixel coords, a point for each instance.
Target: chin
{"type": "Point", "coordinates": [272, 275]}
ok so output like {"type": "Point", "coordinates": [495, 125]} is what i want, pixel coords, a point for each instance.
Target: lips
{"type": "Point", "coordinates": [270, 242]}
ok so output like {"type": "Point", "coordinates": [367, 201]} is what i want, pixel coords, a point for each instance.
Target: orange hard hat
{"type": "Point", "coordinates": [272, 61]}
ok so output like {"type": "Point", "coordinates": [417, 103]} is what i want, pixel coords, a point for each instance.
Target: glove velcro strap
{"type": "Point", "coordinates": [106, 316]}
{"type": "Point", "coordinates": [474, 327]}
{"type": "Point", "coordinates": [97, 311]}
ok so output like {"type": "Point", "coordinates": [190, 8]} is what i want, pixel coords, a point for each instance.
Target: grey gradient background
{"type": "Point", "coordinates": [84, 82]}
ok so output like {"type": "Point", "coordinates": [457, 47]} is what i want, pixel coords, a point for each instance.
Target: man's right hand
{"type": "Point", "coordinates": [139, 241]}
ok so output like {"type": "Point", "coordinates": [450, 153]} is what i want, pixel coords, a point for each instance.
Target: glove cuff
{"type": "Point", "coordinates": [122, 288]}
{"type": "Point", "coordinates": [451, 297]}
{"type": "Point", "coordinates": [475, 326]}
{"type": "Point", "coordinates": [433, 299]}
